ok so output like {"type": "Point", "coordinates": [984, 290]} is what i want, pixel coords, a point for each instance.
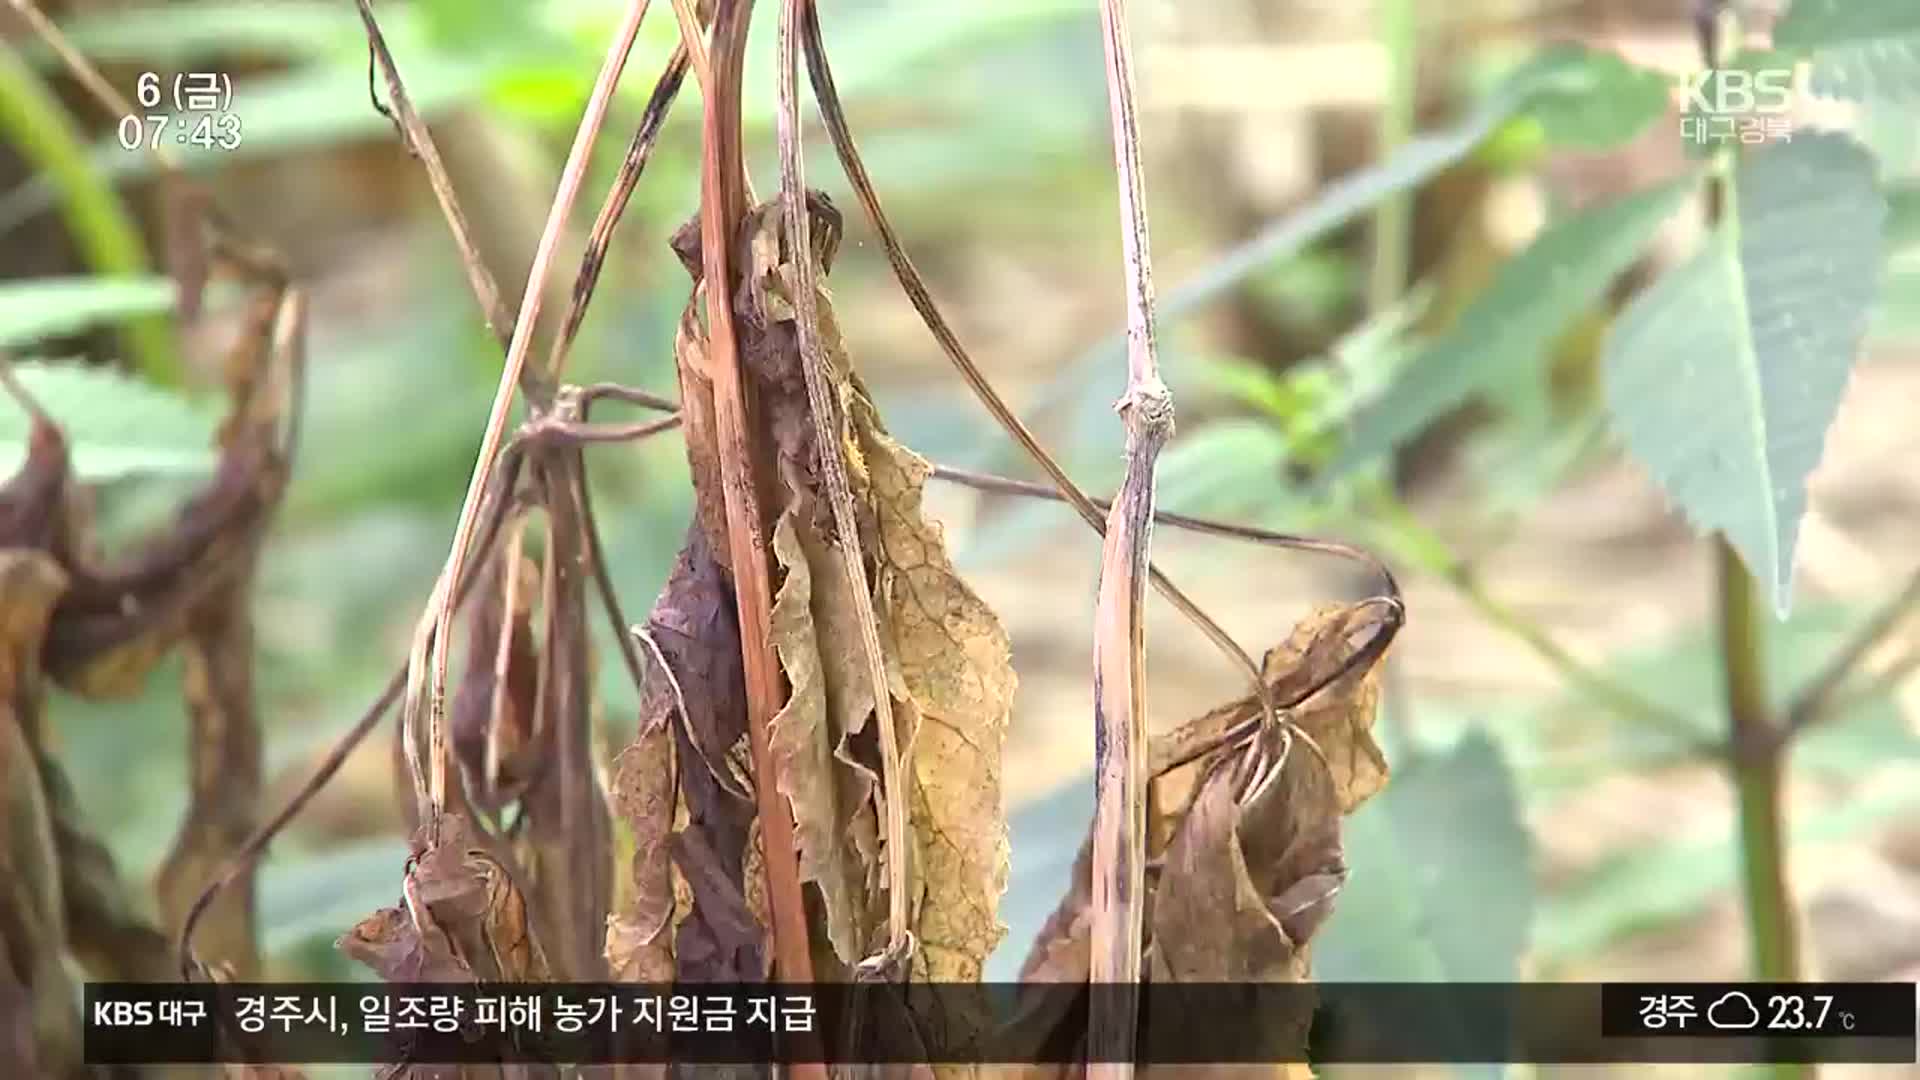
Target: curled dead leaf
{"type": "Point", "coordinates": [116, 621]}
{"type": "Point", "coordinates": [1244, 831]}
{"type": "Point", "coordinates": [716, 937]}
{"type": "Point", "coordinates": [645, 797]}
{"type": "Point", "coordinates": [493, 706]}
{"type": "Point", "coordinates": [38, 1020]}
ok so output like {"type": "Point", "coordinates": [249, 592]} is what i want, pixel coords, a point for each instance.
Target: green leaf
{"type": "Point", "coordinates": [1442, 887]}
{"type": "Point", "coordinates": [1723, 377]}
{"type": "Point", "coordinates": [1509, 328]}
{"type": "Point", "coordinates": [115, 426]}
{"type": "Point", "coordinates": [40, 308]}
{"type": "Point", "coordinates": [1862, 50]}
{"type": "Point", "coordinates": [1604, 102]}
{"type": "Point", "coordinates": [1228, 468]}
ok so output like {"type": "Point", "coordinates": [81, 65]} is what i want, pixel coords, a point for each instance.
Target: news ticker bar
{"type": "Point", "coordinates": [1181, 1023]}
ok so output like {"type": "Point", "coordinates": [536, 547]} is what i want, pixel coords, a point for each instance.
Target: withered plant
{"type": "Point", "coordinates": [813, 792]}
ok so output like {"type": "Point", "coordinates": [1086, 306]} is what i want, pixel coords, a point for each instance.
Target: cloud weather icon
{"type": "Point", "coordinates": [1734, 1011]}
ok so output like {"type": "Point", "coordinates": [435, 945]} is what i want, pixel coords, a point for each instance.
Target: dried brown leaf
{"type": "Point", "coordinates": [639, 935]}
{"type": "Point", "coordinates": [34, 502]}
{"type": "Point", "coordinates": [461, 916]}
{"type": "Point", "coordinates": [107, 935]}
{"type": "Point", "coordinates": [1211, 920]}
{"type": "Point", "coordinates": [950, 667]}
{"type": "Point", "coordinates": [115, 622]}
{"type": "Point", "coordinates": [38, 1021]}
{"type": "Point", "coordinates": [493, 707]}
{"type": "Point", "coordinates": [831, 696]}
{"type": "Point", "coordinates": [948, 659]}
{"type": "Point", "coordinates": [390, 944]}
{"type": "Point", "coordinates": [566, 847]}
{"type": "Point", "coordinates": [1339, 718]}
{"type": "Point", "coordinates": [716, 938]}
{"type": "Point", "coordinates": [1249, 851]}
{"type": "Point", "coordinates": [224, 784]}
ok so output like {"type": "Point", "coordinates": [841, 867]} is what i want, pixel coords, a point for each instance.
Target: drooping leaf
{"type": "Point", "coordinates": [122, 617]}
{"type": "Point", "coordinates": [493, 712]}
{"type": "Point", "coordinates": [1862, 50]}
{"type": "Point", "coordinates": [694, 624]}
{"type": "Point", "coordinates": [1723, 377]}
{"type": "Point", "coordinates": [1244, 885]}
{"type": "Point", "coordinates": [949, 664]}
{"type": "Point", "coordinates": [946, 658]}
{"type": "Point", "coordinates": [224, 783]}
{"type": "Point", "coordinates": [1244, 825]}
{"type": "Point", "coordinates": [462, 916]}
{"type": "Point", "coordinates": [1509, 328]}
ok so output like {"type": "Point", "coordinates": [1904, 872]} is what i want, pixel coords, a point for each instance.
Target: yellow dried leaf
{"type": "Point", "coordinates": [639, 946]}
{"type": "Point", "coordinates": [830, 698]}
{"type": "Point", "coordinates": [948, 660]}
{"type": "Point", "coordinates": [949, 664]}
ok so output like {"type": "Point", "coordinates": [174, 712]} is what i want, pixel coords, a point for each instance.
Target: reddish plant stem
{"type": "Point", "coordinates": [722, 206]}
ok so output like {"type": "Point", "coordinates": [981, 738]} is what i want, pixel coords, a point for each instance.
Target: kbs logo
{"type": "Point", "coordinates": [1727, 105]}
{"type": "Point", "coordinates": [1721, 92]}
{"type": "Point", "coordinates": [123, 1013]}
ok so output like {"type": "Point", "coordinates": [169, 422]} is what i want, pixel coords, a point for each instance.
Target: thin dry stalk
{"type": "Point", "coordinates": [1119, 648]}
{"type": "Point", "coordinates": [691, 27]}
{"type": "Point", "coordinates": [820, 73]}
{"type": "Point", "coordinates": [600, 238]}
{"type": "Point", "coordinates": [722, 206]}
{"type": "Point", "coordinates": [498, 505]}
{"type": "Point", "coordinates": [435, 627]}
{"type": "Point", "coordinates": [419, 142]}
{"type": "Point", "coordinates": [833, 469]}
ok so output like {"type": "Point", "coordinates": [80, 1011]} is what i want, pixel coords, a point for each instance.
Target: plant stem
{"type": "Point", "coordinates": [1757, 754]}
{"type": "Point", "coordinates": [722, 205]}
{"type": "Point", "coordinates": [1757, 763]}
{"type": "Point", "coordinates": [32, 120]}
{"type": "Point", "coordinates": [1119, 644]}
{"type": "Point", "coordinates": [1392, 224]}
